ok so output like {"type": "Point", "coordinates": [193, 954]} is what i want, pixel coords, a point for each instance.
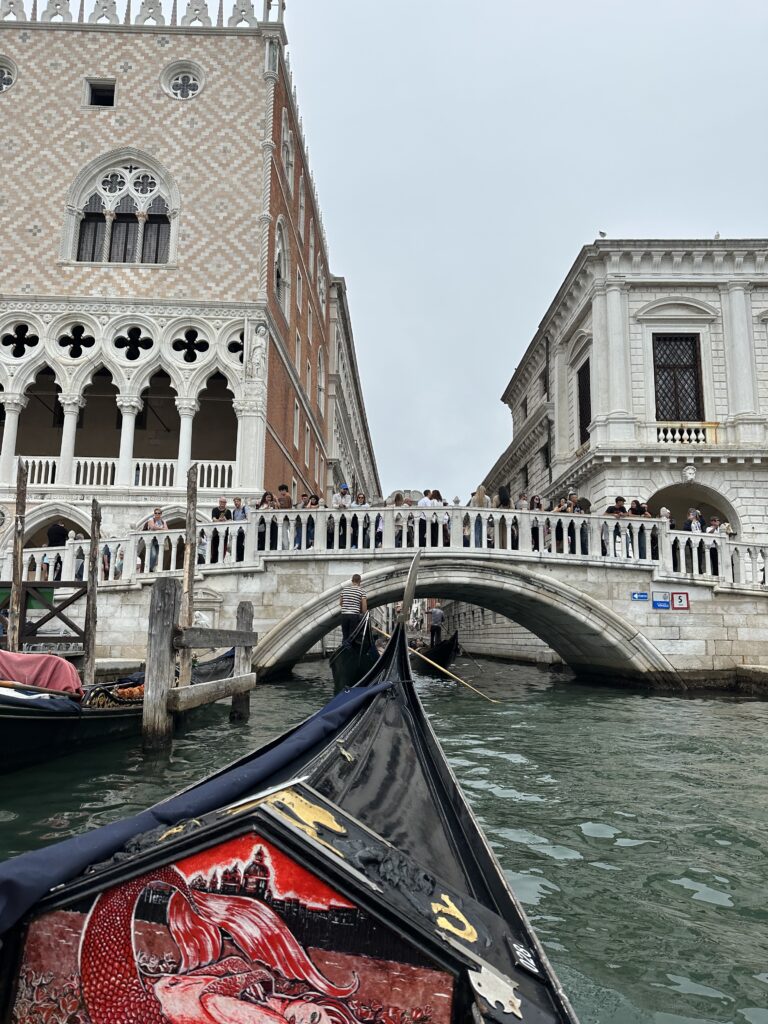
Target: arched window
{"type": "Point", "coordinates": [302, 205]}
{"type": "Point", "coordinates": [312, 249]}
{"type": "Point", "coordinates": [90, 242]}
{"type": "Point", "coordinates": [157, 233]}
{"type": "Point", "coordinates": [121, 212]}
{"type": "Point", "coordinates": [286, 149]}
{"type": "Point", "coordinates": [125, 232]}
{"type": "Point", "coordinates": [321, 287]}
{"type": "Point", "coordinates": [282, 270]}
{"type": "Point", "coordinates": [321, 381]}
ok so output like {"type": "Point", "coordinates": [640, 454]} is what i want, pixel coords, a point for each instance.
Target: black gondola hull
{"type": "Point", "coordinates": [443, 654]}
{"type": "Point", "coordinates": [351, 661]}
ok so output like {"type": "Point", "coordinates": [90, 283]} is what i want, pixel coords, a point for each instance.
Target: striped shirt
{"type": "Point", "coordinates": [352, 599]}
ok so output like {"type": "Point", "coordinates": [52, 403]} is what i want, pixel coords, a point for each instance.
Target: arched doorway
{"type": "Point", "coordinates": [41, 421]}
{"type": "Point", "coordinates": [678, 498]}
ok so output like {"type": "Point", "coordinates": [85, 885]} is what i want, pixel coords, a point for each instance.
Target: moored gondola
{"type": "Point", "coordinates": [336, 876]}
{"type": "Point", "coordinates": [443, 655]}
{"type": "Point", "coordinates": [353, 659]}
{"type": "Point", "coordinates": [38, 724]}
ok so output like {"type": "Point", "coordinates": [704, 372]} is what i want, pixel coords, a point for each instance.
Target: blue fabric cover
{"type": "Point", "coordinates": [54, 701]}
{"type": "Point", "coordinates": [27, 878]}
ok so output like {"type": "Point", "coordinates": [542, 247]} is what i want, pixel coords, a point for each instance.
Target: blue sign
{"type": "Point", "coordinates": [639, 595]}
{"type": "Point", "coordinates": [661, 599]}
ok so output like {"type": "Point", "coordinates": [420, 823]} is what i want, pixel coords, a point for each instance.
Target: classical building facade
{"type": "Point", "coordinates": [648, 377]}
{"type": "Point", "coordinates": [166, 294]}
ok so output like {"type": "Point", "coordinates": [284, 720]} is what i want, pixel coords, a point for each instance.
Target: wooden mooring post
{"type": "Point", "coordinates": [16, 607]}
{"type": "Point", "coordinates": [89, 641]}
{"type": "Point", "coordinates": [187, 613]}
{"type": "Point", "coordinates": [162, 697]}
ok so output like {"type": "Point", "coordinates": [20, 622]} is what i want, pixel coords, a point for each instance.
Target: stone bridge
{"type": "Point", "coordinates": [590, 587]}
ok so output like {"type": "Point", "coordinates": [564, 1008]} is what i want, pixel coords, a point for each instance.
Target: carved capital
{"type": "Point", "coordinates": [142, 216]}
{"type": "Point", "coordinates": [128, 404]}
{"type": "Point", "coordinates": [109, 215]}
{"type": "Point", "coordinates": [71, 404]}
{"type": "Point", "coordinates": [14, 403]}
{"type": "Point", "coordinates": [187, 406]}
{"type": "Point", "coordinates": [246, 406]}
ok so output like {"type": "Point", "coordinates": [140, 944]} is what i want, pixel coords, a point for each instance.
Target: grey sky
{"type": "Point", "coordinates": [465, 151]}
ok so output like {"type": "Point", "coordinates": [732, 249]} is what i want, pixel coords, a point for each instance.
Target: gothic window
{"type": "Point", "coordinates": [282, 270]}
{"type": "Point", "coordinates": [321, 381]}
{"type": "Point", "coordinates": [302, 205]}
{"type": "Point", "coordinates": [90, 244]}
{"type": "Point", "coordinates": [312, 249]}
{"type": "Point", "coordinates": [286, 149]}
{"type": "Point", "coordinates": [584, 388]}
{"type": "Point", "coordinates": [122, 214]}
{"type": "Point", "coordinates": [157, 233]}
{"type": "Point", "coordinates": [182, 80]}
{"type": "Point", "coordinates": [237, 346]}
{"type": "Point", "coordinates": [321, 287]}
{"type": "Point", "coordinates": [125, 232]}
{"type": "Point", "coordinates": [678, 377]}
{"type": "Point", "coordinates": [7, 74]}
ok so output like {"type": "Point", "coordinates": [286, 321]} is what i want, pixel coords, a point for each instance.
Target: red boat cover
{"type": "Point", "coordinates": [45, 670]}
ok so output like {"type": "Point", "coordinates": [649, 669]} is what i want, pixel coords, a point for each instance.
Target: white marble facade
{"type": "Point", "coordinates": [620, 301]}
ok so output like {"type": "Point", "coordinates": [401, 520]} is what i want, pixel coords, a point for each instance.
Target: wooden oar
{"type": "Point", "coordinates": [440, 668]}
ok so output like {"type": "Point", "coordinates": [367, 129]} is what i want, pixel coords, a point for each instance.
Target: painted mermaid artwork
{"type": "Point", "coordinates": [202, 942]}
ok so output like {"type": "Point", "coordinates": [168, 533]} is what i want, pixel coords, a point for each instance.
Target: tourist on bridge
{"type": "Point", "coordinates": [695, 521]}
{"type": "Point", "coordinates": [239, 515]}
{"type": "Point", "coordinates": [354, 605]}
{"type": "Point", "coordinates": [436, 626]}
{"type": "Point", "coordinates": [618, 508]}
{"type": "Point", "coordinates": [220, 514]}
{"type": "Point", "coordinates": [480, 499]}
{"type": "Point", "coordinates": [267, 503]}
{"type": "Point", "coordinates": [424, 502]}
{"type": "Point", "coordinates": [361, 502]}
{"type": "Point", "coordinates": [156, 522]}
{"type": "Point", "coordinates": [341, 500]}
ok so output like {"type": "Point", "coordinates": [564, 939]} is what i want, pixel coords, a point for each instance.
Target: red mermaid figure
{"type": "Point", "coordinates": [269, 980]}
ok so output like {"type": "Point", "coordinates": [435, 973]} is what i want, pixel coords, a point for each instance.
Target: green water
{"type": "Point", "coordinates": [633, 827]}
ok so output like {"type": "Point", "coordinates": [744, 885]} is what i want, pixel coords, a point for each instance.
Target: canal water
{"type": "Point", "coordinates": [633, 827]}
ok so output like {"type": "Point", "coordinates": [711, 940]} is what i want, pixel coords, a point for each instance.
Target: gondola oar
{"type": "Point", "coordinates": [445, 670]}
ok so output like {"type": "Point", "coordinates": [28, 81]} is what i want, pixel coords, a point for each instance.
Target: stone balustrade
{"type": "Point", "coordinates": [149, 474]}
{"type": "Point", "coordinates": [521, 536]}
{"type": "Point", "coordinates": [686, 433]}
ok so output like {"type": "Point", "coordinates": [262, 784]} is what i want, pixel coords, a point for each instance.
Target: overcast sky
{"type": "Point", "coordinates": [465, 151]}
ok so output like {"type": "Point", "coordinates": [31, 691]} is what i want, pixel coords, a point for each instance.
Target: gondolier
{"type": "Point", "coordinates": [436, 626]}
{"type": "Point", "coordinates": [354, 605]}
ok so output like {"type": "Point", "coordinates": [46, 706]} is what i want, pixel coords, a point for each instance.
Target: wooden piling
{"type": "Point", "coordinates": [16, 610]}
{"type": "Point", "coordinates": [89, 642]}
{"type": "Point", "coordinates": [157, 723]}
{"type": "Point", "coordinates": [241, 702]}
{"type": "Point", "coordinates": [187, 614]}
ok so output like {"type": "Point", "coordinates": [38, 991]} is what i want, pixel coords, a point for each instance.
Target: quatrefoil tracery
{"type": "Point", "coordinates": [19, 340]}
{"type": "Point", "coordinates": [190, 345]}
{"type": "Point", "coordinates": [134, 343]}
{"type": "Point", "coordinates": [76, 341]}
{"type": "Point", "coordinates": [237, 346]}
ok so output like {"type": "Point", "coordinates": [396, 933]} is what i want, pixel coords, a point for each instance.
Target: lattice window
{"type": "Point", "coordinates": [584, 387]}
{"type": "Point", "coordinates": [678, 377]}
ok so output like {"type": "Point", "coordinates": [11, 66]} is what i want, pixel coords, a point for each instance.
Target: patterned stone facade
{"type": "Point", "coordinates": [116, 373]}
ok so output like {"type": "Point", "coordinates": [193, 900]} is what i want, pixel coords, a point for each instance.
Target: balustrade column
{"type": "Point", "coordinates": [187, 408]}
{"type": "Point", "coordinates": [71, 404]}
{"type": "Point", "coordinates": [129, 408]}
{"type": "Point", "coordinates": [13, 406]}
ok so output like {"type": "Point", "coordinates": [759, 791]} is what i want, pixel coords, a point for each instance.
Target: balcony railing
{"type": "Point", "coordinates": [519, 536]}
{"type": "Point", "coordinates": [149, 474]}
{"type": "Point", "coordinates": [686, 433]}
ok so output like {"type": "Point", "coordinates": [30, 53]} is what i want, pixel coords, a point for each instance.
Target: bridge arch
{"type": "Point", "coordinates": [587, 635]}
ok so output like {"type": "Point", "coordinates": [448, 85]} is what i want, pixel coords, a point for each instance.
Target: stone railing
{"type": "Point", "coordinates": [534, 537]}
{"type": "Point", "coordinates": [686, 433]}
{"type": "Point", "coordinates": [150, 474]}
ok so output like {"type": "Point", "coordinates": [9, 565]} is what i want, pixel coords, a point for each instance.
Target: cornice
{"type": "Point", "coordinates": [118, 306]}
{"type": "Point", "coordinates": [269, 29]}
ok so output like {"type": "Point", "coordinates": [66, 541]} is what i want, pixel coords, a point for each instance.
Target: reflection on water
{"type": "Point", "coordinates": [633, 827]}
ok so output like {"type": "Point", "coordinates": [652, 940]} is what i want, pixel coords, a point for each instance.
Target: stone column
{"type": "Point", "coordinates": [599, 365]}
{"type": "Point", "coordinates": [187, 408]}
{"type": "Point", "coordinates": [71, 404]}
{"type": "Point", "coordinates": [109, 219]}
{"type": "Point", "coordinates": [743, 405]}
{"type": "Point", "coordinates": [13, 406]}
{"type": "Point", "coordinates": [249, 475]}
{"type": "Point", "coordinates": [129, 408]}
{"type": "Point", "coordinates": [621, 421]}
{"type": "Point", "coordinates": [142, 216]}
